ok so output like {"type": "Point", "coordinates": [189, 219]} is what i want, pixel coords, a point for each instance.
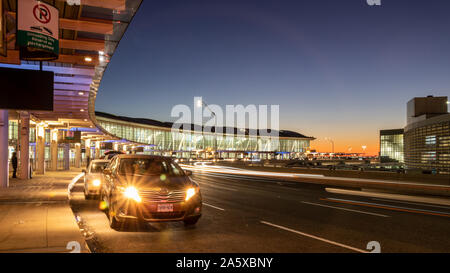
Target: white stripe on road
{"type": "Point", "coordinates": [315, 237]}
{"type": "Point", "coordinates": [206, 204]}
{"type": "Point", "coordinates": [353, 210]}
{"type": "Point", "coordinates": [385, 206]}
{"type": "Point", "coordinates": [411, 203]}
{"type": "Point", "coordinates": [394, 196]}
{"type": "Point", "coordinates": [208, 184]}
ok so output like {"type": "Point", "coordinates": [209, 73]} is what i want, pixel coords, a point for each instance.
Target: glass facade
{"type": "Point", "coordinates": [391, 146]}
{"type": "Point", "coordinates": [427, 146]}
{"type": "Point", "coordinates": [163, 139]}
{"type": "Point", "coordinates": [13, 130]}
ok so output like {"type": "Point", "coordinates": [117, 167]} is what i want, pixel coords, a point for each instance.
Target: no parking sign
{"type": "Point", "coordinates": [37, 30]}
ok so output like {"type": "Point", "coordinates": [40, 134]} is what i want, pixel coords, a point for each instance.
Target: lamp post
{"type": "Point", "coordinates": [200, 104]}
{"type": "Point", "coordinates": [332, 144]}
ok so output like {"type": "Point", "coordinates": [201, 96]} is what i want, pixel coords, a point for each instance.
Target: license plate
{"type": "Point", "coordinates": [165, 207]}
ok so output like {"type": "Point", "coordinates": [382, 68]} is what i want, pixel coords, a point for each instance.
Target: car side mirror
{"type": "Point", "coordinates": [188, 173]}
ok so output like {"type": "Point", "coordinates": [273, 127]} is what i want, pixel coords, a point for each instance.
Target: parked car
{"type": "Point", "coordinates": [110, 154]}
{"type": "Point", "coordinates": [149, 189]}
{"type": "Point", "coordinates": [93, 177]}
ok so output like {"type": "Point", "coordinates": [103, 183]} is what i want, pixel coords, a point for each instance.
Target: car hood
{"type": "Point", "coordinates": [92, 176]}
{"type": "Point", "coordinates": [144, 182]}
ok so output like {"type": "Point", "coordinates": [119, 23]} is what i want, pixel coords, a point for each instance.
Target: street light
{"type": "Point", "coordinates": [332, 144]}
{"type": "Point", "coordinates": [201, 103]}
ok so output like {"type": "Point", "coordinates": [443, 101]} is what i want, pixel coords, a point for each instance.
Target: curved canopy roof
{"type": "Point", "coordinates": [152, 122]}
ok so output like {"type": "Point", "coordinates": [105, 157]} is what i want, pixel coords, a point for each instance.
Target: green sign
{"type": "Point", "coordinates": [38, 41]}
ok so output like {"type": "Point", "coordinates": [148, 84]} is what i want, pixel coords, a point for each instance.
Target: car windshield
{"type": "Point", "coordinates": [148, 166]}
{"type": "Point", "coordinates": [98, 167]}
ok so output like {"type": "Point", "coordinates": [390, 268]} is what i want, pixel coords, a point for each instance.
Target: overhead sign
{"type": "Point", "coordinates": [2, 31]}
{"type": "Point", "coordinates": [69, 136]}
{"type": "Point", "coordinates": [37, 30]}
{"type": "Point", "coordinates": [24, 89]}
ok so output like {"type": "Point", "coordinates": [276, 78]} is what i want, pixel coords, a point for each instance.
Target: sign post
{"type": "Point", "coordinates": [37, 30]}
{"type": "Point", "coordinates": [2, 31]}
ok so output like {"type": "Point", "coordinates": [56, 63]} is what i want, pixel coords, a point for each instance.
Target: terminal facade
{"type": "Point", "coordinates": [158, 138]}
{"type": "Point", "coordinates": [424, 144]}
{"type": "Point", "coordinates": [391, 146]}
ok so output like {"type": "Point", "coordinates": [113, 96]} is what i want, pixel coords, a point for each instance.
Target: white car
{"type": "Point", "coordinates": [93, 178]}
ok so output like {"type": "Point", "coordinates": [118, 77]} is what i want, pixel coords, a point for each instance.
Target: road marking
{"type": "Point", "coordinates": [389, 207]}
{"type": "Point", "coordinates": [315, 237]}
{"type": "Point", "coordinates": [358, 211]}
{"type": "Point", "coordinates": [393, 196]}
{"type": "Point", "coordinates": [206, 204]}
{"type": "Point", "coordinates": [212, 185]}
{"type": "Point", "coordinates": [243, 182]}
{"type": "Point", "coordinates": [411, 203]}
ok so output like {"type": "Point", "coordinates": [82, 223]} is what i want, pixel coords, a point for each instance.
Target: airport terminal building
{"type": "Point", "coordinates": [424, 144]}
{"type": "Point", "coordinates": [427, 135]}
{"type": "Point", "coordinates": [391, 146]}
{"type": "Point", "coordinates": [155, 137]}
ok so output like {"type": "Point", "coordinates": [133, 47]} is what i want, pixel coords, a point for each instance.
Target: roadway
{"type": "Point", "coordinates": [245, 213]}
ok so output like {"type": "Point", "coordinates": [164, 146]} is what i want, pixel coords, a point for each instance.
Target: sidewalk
{"type": "Point", "coordinates": [35, 215]}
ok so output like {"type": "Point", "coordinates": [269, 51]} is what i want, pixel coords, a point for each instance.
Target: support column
{"type": "Point", "coordinates": [97, 149]}
{"type": "Point", "coordinates": [40, 149]}
{"type": "Point", "coordinates": [4, 170]}
{"type": "Point", "coordinates": [87, 147]}
{"type": "Point", "coordinates": [24, 158]}
{"type": "Point", "coordinates": [77, 155]}
{"type": "Point", "coordinates": [66, 156]}
{"type": "Point", "coordinates": [54, 150]}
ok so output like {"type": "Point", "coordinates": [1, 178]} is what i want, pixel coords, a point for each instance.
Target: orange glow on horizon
{"type": "Point", "coordinates": [346, 146]}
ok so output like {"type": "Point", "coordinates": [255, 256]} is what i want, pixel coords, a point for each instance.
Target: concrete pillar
{"type": "Point", "coordinates": [24, 157]}
{"type": "Point", "coordinates": [4, 166]}
{"type": "Point", "coordinates": [54, 150]}
{"type": "Point", "coordinates": [66, 156]}
{"type": "Point", "coordinates": [97, 149]}
{"type": "Point", "coordinates": [87, 147]}
{"type": "Point", "coordinates": [40, 149]}
{"type": "Point", "coordinates": [77, 155]}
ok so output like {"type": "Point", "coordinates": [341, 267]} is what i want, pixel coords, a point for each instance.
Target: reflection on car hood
{"type": "Point", "coordinates": [92, 176]}
{"type": "Point", "coordinates": [145, 182]}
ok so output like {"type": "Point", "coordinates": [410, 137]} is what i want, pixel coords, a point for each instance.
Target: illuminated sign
{"type": "Point", "coordinates": [69, 136]}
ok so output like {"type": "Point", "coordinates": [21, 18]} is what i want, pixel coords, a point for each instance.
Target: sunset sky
{"type": "Point", "coordinates": [338, 69]}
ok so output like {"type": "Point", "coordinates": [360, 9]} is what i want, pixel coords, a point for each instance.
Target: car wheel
{"type": "Point", "coordinates": [86, 194]}
{"type": "Point", "coordinates": [113, 223]}
{"type": "Point", "coordinates": [191, 221]}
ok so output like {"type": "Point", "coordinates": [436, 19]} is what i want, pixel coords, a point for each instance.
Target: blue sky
{"type": "Point", "coordinates": [339, 69]}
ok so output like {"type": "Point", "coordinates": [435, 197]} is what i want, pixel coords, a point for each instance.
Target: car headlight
{"type": "Point", "coordinates": [190, 192]}
{"type": "Point", "coordinates": [132, 193]}
{"type": "Point", "coordinates": [96, 183]}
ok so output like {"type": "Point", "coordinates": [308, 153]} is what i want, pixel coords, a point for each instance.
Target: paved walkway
{"type": "Point", "coordinates": [35, 215]}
